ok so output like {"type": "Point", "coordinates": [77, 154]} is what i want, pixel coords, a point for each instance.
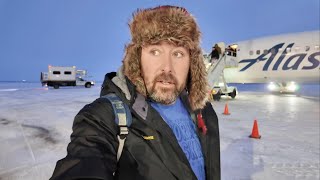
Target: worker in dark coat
{"type": "Point", "coordinates": [215, 53]}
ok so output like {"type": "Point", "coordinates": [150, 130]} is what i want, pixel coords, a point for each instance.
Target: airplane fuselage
{"type": "Point", "coordinates": [292, 57]}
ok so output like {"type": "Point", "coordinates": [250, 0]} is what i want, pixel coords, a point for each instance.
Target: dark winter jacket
{"type": "Point", "coordinates": [92, 152]}
{"type": "Point", "coordinates": [214, 54]}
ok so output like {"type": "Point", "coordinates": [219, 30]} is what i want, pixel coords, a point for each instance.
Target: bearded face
{"type": "Point", "coordinates": [165, 88]}
{"type": "Point", "coordinates": [164, 69]}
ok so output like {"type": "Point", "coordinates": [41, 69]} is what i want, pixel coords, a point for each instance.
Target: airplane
{"type": "Point", "coordinates": [283, 61]}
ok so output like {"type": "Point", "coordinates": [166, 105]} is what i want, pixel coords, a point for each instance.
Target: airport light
{"type": "Point", "coordinates": [292, 87]}
{"type": "Point", "coordinates": [272, 86]}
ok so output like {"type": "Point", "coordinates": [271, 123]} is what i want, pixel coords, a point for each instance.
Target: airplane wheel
{"type": "Point", "coordinates": [217, 96]}
{"type": "Point", "coordinates": [233, 94]}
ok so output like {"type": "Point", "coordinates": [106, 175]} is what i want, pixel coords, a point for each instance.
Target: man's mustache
{"type": "Point", "coordinates": [166, 77]}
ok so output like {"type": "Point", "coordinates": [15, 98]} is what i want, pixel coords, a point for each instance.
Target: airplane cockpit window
{"type": "Point", "coordinates": [258, 52]}
{"type": "Point", "coordinates": [307, 48]}
{"type": "Point", "coordinates": [250, 53]}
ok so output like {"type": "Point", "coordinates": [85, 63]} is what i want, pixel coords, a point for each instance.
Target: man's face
{"type": "Point", "coordinates": [165, 69]}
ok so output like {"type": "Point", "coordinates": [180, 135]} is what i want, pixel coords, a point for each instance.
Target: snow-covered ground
{"type": "Point", "coordinates": [35, 125]}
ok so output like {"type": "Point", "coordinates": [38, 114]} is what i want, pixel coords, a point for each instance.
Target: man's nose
{"type": "Point", "coordinates": [167, 64]}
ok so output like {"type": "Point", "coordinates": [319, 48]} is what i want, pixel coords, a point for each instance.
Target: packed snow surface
{"type": "Point", "coordinates": [35, 128]}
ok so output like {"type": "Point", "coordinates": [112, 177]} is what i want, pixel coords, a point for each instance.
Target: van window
{"type": "Point", "coordinates": [67, 72]}
{"type": "Point", "coordinates": [56, 72]}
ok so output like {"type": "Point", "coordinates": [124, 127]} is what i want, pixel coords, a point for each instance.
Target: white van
{"type": "Point", "coordinates": [64, 76]}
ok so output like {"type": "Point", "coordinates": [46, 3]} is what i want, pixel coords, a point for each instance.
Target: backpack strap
{"type": "Point", "coordinates": [122, 118]}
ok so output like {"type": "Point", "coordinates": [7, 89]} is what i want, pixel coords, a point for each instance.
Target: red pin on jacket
{"type": "Point", "coordinates": [201, 124]}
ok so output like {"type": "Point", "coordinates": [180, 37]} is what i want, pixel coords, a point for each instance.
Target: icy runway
{"type": "Point", "coordinates": [35, 125]}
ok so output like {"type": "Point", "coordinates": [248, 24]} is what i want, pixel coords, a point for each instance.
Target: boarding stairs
{"type": "Point", "coordinates": [215, 70]}
{"type": "Point", "coordinates": [216, 78]}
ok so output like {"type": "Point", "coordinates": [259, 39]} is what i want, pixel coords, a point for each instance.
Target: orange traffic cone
{"type": "Point", "coordinates": [226, 110]}
{"type": "Point", "coordinates": [255, 131]}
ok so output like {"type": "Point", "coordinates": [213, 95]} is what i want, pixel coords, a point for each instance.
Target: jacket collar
{"type": "Point", "coordinates": [116, 82]}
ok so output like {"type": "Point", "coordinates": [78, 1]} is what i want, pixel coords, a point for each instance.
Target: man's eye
{"type": "Point", "coordinates": [178, 54]}
{"type": "Point", "coordinates": [155, 52]}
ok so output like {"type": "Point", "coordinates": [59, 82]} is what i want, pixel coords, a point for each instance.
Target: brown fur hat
{"type": "Point", "coordinates": [174, 25]}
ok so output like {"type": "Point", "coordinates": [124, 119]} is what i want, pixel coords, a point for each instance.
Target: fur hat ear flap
{"type": "Point", "coordinates": [198, 84]}
{"type": "Point", "coordinates": [132, 67]}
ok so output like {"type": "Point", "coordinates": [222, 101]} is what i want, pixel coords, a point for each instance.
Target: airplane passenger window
{"type": "Point", "coordinates": [265, 51]}
{"type": "Point", "coordinates": [307, 48]}
{"type": "Point", "coordinates": [258, 52]}
{"type": "Point", "coordinates": [288, 50]}
{"type": "Point", "coordinates": [251, 52]}
{"type": "Point", "coordinates": [316, 48]}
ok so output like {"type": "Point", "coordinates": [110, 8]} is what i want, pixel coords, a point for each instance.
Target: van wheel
{"type": "Point", "coordinates": [56, 86]}
{"type": "Point", "coordinates": [88, 85]}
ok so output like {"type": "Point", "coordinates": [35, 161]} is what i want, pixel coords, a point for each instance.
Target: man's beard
{"type": "Point", "coordinates": [164, 95]}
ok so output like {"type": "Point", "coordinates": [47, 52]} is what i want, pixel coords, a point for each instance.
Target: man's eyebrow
{"type": "Point", "coordinates": [181, 48]}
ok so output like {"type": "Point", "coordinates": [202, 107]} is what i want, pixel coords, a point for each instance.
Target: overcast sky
{"type": "Point", "coordinates": [91, 34]}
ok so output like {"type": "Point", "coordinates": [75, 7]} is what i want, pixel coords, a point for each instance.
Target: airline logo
{"type": "Point", "coordinates": [290, 62]}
